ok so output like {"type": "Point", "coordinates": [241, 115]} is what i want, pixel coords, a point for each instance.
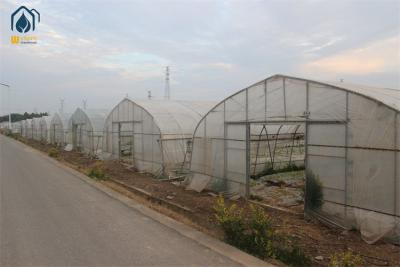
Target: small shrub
{"type": "Point", "coordinates": [53, 152]}
{"type": "Point", "coordinates": [97, 172]}
{"type": "Point", "coordinates": [289, 252]}
{"type": "Point", "coordinates": [345, 259]}
{"type": "Point", "coordinates": [231, 221]}
{"type": "Point", "coordinates": [256, 198]}
{"type": "Point", "coordinates": [314, 194]}
{"type": "Point", "coordinates": [256, 235]}
{"type": "Point", "coordinates": [260, 237]}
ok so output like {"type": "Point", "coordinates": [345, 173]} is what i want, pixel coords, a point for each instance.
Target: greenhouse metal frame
{"type": "Point", "coordinates": [85, 130]}
{"type": "Point", "coordinates": [153, 135]}
{"type": "Point", "coordinates": [44, 129]}
{"type": "Point", "coordinates": [28, 126]}
{"type": "Point", "coordinates": [58, 130]}
{"type": "Point", "coordinates": [351, 144]}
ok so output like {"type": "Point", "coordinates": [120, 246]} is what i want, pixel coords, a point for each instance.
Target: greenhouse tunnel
{"type": "Point", "coordinates": [153, 135]}
{"type": "Point", "coordinates": [17, 127]}
{"type": "Point", "coordinates": [35, 123]}
{"type": "Point", "coordinates": [44, 129]}
{"type": "Point", "coordinates": [58, 130]}
{"type": "Point", "coordinates": [85, 130]}
{"type": "Point", "coordinates": [28, 129]}
{"type": "Point", "coordinates": [347, 136]}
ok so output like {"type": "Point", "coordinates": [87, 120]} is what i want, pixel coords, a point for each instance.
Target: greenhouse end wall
{"type": "Point", "coordinates": [58, 131]}
{"type": "Point", "coordinates": [140, 135]}
{"type": "Point", "coordinates": [85, 130]}
{"type": "Point", "coordinates": [153, 135]}
{"type": "Point", "coordinates": [352, 146]}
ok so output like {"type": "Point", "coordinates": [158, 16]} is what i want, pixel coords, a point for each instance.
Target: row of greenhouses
{"type": "Point", "coordinates": [345, 136]}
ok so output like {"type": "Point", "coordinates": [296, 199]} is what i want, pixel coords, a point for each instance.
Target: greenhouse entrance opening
{"type": "Point", "coordinates": [125, 132]}
{"type": "Point", "coordinates": [276, 163]}
{"type": "Point", "coordinates": [77, 136]}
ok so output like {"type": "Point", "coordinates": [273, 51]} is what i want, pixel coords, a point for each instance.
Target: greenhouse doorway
{"type": "Point", "coordinates": [77, 136]}
{"type": "Point", "coordinates": [276, 163]}
{"type": "Point", "coordinates": [125, 132]}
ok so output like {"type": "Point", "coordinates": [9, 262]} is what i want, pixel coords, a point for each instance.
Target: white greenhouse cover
{"type": "Point", "coordinates": [352, 144]}
{"type": "Point", "coordinates": [44, 128]}
{"type": "Point", "coordinates": [59, 128]}
{"type": "Point", "coordinates": [155, 132]}
{"type": "Point", "coordinates": [174, 117]}
{"type": "Point", "coordinates": [85, 129]}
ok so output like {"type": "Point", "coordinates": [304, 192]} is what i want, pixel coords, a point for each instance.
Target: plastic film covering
{"type": "Point", "coordinates": [85, 130]}
{"type": "Point", "coordinates": [352, 145]}
{"type": "Point", "coordinates": [28, 129]}
{"type": "Point", "coordinates": [17, 127]}
{"type": "Point", "coordinates": [44, 129]}
{"type": "Point", "coordinates": [152, 135]}
{"type": "Point", "coordinates": [58, 131]}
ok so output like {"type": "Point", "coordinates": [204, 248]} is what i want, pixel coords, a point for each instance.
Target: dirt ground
{"type": "Point", "coordinates": [315, 238]}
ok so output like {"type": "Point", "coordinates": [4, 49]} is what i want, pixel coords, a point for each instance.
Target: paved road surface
{"type": "Point", "coordinates": [48, 217]}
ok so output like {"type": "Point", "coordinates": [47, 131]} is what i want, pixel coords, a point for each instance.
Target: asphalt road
{"type": "Point", "coordinates": [49, 217]}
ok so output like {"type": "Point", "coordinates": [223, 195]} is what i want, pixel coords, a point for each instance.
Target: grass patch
{"type": "Point", "coordinates": [97, 171]}
{"type": "Point", "coordinates": [53, 152]}
{"type": "Point", "coordinates": [255, 234]}
{"type": "Point", "coordinates": [345, 259]}
{"type": "Point", "coordinates": [268, 170]}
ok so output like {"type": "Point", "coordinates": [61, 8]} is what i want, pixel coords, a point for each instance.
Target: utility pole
{"type": "Point", "coordinates": [167, 91]}
{"type": "Point", "coordinates": [9, 104]}
{"type": "Point", "coordinates": [84, 103]}
{"type": "Point", "coordinates": [149, 95]}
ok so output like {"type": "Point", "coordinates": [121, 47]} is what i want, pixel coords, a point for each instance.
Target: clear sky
{"type": "Point", "coordinates": [103, 50]}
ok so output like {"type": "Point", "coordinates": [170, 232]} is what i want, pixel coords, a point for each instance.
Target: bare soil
{"type": "Point", "coordinates": [315, 238]}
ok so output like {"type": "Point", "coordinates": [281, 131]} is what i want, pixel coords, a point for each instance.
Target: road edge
{"type": "Point", "coordinates": [216, 245]}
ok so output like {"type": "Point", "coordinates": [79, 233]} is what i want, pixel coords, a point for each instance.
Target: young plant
{"type": "Point", "coordinates": [231, 221]}
{"type": "Point", "coordinates": [345, 259]}
{"type": "Point", "coordinates": [53, 152]}
{"type": "Point", "coordinates": [97, 172]}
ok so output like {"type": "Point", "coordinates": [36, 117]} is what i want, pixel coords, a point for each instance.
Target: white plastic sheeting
{"type": "Point", "coordinates": [58, 130]}
{"type": "Point", "coordinates": [28, 129]}
{"type": "Point", "coordinates": [43, 133]}
{"type": "Point", "coordinates": [352, 145]}
{"type": "Point", "coordinates": [152, 135]}
{"type": "Point", "coordinates": [85, 130]}
{"type": "Point", "coordinates": [17, 127]}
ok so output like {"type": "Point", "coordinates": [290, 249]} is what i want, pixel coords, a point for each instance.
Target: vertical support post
{"type": "Point", "coordinates": [396, 185]}
{"type": "Point", "coordinates": [225, 145]}
{"type": "Point", "coordinates": [265, 98]}
{"type": "Point", "coordinates": [119, 140]}
{"type": "Point", "coordinates": [284, 97]}
{"type": "Point", "coordinates": [346, 152]}
{"type": "Point", "coordinates": [307, 114]}
{"type": "Point", "coordinates": [248, 160]}
{"type": "Point", "coordinates": [205, 145]}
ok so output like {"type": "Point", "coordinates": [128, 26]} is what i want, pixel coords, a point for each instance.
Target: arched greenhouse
{"type": "Point", "coordinates": [44, 129]}
{"type": "Point", "coordinates": [58, 130]}
{"type": "Point", "coordinates": [152, 135]}
{"type": "Point", "coordinates": [350, 137]}
{"type": "Point", "coordinates": [85, 130]}
{"type": "Point", "coordinates": [28, 129]}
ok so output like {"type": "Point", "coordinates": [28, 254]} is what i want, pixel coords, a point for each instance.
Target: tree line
{"type": "Point", "coordinates": [19, 117]}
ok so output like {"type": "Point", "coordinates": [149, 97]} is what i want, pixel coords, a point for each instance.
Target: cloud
{"type": "Point", "coordinates": [214, 66]}
{"type": "Point", "coordinates": [379, 56]}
